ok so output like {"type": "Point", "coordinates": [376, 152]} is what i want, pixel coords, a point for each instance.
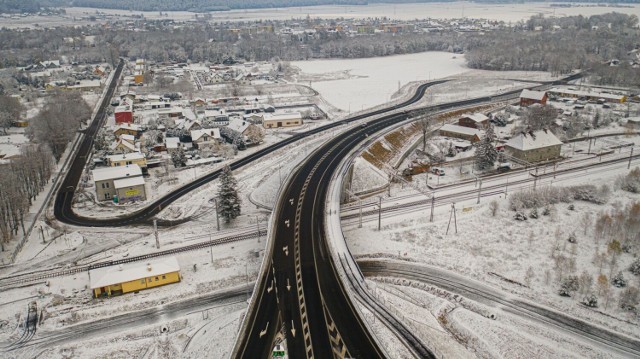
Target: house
{"type": "Point", "coordinates": [123, 146]}
{"type": "Point", "coordinates": [130, 190]}
{"type": "Point", "coordinates": [128, 129]}
{"type": "Point", "coordinates": [126, 159]}
{"type": "Point", "coordinates": [282, 120]}
{"type": "Point", "coordinates": [199, 102]}
{"type": "Point", "coordinates": [536, 146]}
{"type": "Point", "coordinates": [529, 97]}
{"type": "Point", "coordinates": [132, 277]}
{"type": "Point", "coordinates": [255, 118]}
{"type": "Point", "coordinates": [100, 70]}
{"type": "Point", "coordinates": [475, 120]}
{"type": "Point", "coordinates": [216, 117]}
{"type": "Point", "coordinates": [124, 114]}
{"type": "Point", "coordinates": [206, 137]}
{"type": "Point", "coordinates": [171, 144]}
{"type": "Point", "coordinates": [243, 127]}
{"type": "Point", "coordinates": [104, 179]}
{"type": "Point", "coordinates": [464, 133]}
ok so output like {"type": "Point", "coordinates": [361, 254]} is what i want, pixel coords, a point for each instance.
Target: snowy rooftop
{"type": "Point", "coordinates": [238, 125]}
{"type": "Point", "coordinates": [533, 95]}
{"type": "Point", "coordinates": [106, 276]}
{"type": "Point", "coordinates": [171, 142]}
{"type": "Point", "coordinates": [129, 126]}
{"type": "Point", "coordinates": [607, 96]}
{"type": "Point", "coordinates": [213, 132]}
{"type": "Point", "coordinates": [461, 129]}
{"type": "Point", "coordinates": [476, 117]}
{"type": "Point", "coordinates": [129, 182]}
{"type": "Point", "coordinates": [127, 156]}
{"type": "Point", "coordinates": [123, 108]}
{"type": "Point", "coordinates": [283, 117]}
{"type": "Point", "coordinates": [108, 173]}
{"type": "Point", "coordinates": [529, 141]}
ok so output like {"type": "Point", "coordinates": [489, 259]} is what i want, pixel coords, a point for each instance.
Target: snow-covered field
{"type": "Point", "coordinates": [370, 82]}
{"type": "Point", "coordinates": [499, 12]}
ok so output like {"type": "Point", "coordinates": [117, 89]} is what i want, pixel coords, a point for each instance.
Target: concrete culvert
{"type": "Point", "coordinates": [164, 329]}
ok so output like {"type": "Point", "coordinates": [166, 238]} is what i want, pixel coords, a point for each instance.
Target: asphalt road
{"type": "Point", "coordinates": [485, 294]}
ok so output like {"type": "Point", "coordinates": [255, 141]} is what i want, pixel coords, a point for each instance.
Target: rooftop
{"type": "Point", "coordinates": [533, 95]}
{"type": "Point", "coordinates": [106, 276]}
{"type": "Point", "coordinates": [126, 157]}
{"type": "Point", "coordinates": [283, 116]}
{"type": "Point", "coordinates": [109, 173]}
{"type": "Point", "coordinates": [525, 141]}
{"type": "Point", "coordinates": [128, 182]}
{"type": "Point", "coordinates": [461, 129]}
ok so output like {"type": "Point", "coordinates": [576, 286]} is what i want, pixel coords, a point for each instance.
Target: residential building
{"type": "Point", "coordinates": [529, 97]}
{"type": "Point", "coordinates": [216, 117]}
{"type": "Point", "coordinates": [123, 146]}
{"type": "Point", "coordinates": [171, 144]}
{"type": "Point", "coordinates": [536, 146]}
{"type": "Point", "coordinates": [104, 179]}
{"type": "Point", "coordinates": [128, 129]}
{"type": "Point", "coordinates": [282, 120]}
{"type": "Point", "coordinates": [474, 120]}
{"type": "Point", "coordinates": [135, 158]}
{"type": "Point", "coordinates": [206, 137]}
{"type": "Point", "coordinates": [255, 118]}
{"type": "Point", "coordinates": [133, 277]}
{"type": "Point", "coordinates": [465, 133]}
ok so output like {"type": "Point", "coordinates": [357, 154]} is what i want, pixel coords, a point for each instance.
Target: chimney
{"type": "Point", "coordinates": [120, 267]}
{"type": "Point", "coordinates": [148, 267]}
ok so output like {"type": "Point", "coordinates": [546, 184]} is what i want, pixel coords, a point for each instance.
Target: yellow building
{"type": "Point", "coordinates": [133, 158]}
{"type": "Point", "coordinates": [133, 277]}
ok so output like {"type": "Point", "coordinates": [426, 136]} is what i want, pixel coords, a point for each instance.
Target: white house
{"type": "Point", "coordinates": [206, 137]}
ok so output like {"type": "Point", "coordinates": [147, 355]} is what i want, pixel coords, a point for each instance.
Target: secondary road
{"type": "Point", "coordinates": [485, 294]}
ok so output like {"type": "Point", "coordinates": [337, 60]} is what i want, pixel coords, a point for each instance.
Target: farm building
{"type": "Point", "coordinates": [588, 95]}
{"type": "Point", "coordinates": [133, 277]}
{"type": "Point", "coordinates": [535, 146]}
{"type": "Point", "coordinates": [529, 97]}
{"type": "Point", "coordinates": [283, 120]}
{"type": "Point", "coordinates": [464, 133]}
{"type": "Point", "coordinates": [475, 120]}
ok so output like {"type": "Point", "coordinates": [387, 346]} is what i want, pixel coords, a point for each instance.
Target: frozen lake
{"type": "Point", "coordinates": [374, 80]}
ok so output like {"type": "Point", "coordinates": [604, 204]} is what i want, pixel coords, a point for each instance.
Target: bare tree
{"type": "Point", "coordinates": [10, 109]}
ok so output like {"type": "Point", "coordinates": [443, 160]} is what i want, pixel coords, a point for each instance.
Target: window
{"type": "Point", "coordinates": [107, 196]}
{"type": "Point", "coordinates": [141, 281]}
{"type": "Point", "coordinates": [156, 279]}
{"type": "Point", "coordinates": [103, 185]}
{"type": "Point", "coordinates": [164, 277]}
{"type": "Point", "coordinates": [107, 184]}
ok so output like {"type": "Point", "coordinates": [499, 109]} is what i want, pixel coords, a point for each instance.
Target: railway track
{"type": "Point", "coordinates": [25, 278]}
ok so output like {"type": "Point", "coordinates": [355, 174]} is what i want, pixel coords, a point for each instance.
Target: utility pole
{"type": "Point", "coordinates": [42, 232]}
{"type": "Point", "coordinates": [155, 232]}
{"type": "Point", "coordinates": [452, 213]}
{"type": "Point", "coordinates": [360, 216]}
{"type": "Point", "coordinates": [215, 201]}
{"type": "Point", "coordinates": [628, 165]}
{"type": "Point", "coordinates": [589, 150]}
{"type": "Point", "coordinates": [433, 203]}
{"type": "Point", "coordinates": [258, 226]}
{"type": "Point", "coordinates": [479, 191]}
{"type": "Point", "coordinates": [379, 212]}
{"type": "Point", "coordinates": [535, 179]}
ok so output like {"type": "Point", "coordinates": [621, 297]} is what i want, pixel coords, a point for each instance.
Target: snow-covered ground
{"type": "Point", "coordinates": [505, 249]}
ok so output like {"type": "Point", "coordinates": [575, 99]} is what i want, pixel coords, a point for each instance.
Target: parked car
{"type": "Point", "coordinates": [438, 171]}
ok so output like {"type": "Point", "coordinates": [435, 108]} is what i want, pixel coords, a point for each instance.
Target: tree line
{"type": "Point", "coordinates": [20, 182]}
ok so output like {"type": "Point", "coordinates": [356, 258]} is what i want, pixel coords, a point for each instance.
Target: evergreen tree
{"type": "Point", "coordinates": [179, 158]}
{"type": "Point", "coordinates": [486, 154]}
{"type": "Point", "coordinates": [228, 199]}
